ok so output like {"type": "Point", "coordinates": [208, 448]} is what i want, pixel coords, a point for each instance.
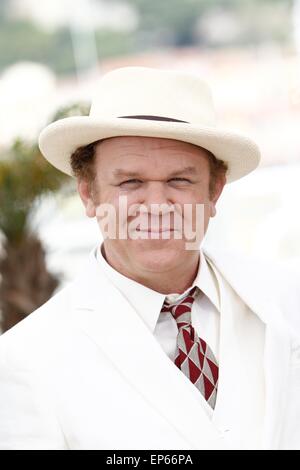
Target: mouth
{"type": "Point", "coordinates": [162, 230]}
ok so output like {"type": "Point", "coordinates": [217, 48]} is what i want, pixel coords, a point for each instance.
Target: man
{"type": "Point", "coordinates": [157, 344]}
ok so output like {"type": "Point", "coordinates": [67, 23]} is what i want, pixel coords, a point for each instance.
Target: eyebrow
{"type": "Point", "coordinates": [119, 172]}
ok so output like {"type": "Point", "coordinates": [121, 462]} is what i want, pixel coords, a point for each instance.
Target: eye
{"type": "Point", "coordinates": [131, 182]}
{"type": "Point", "coordinates": [180, 180]}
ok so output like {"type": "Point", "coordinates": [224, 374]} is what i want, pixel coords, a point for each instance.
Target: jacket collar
{"type": "Point", "coordinates": [148, 302]}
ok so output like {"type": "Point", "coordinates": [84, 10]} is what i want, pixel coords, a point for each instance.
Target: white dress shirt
{"type": "Point", "coordinates": [148, 303]}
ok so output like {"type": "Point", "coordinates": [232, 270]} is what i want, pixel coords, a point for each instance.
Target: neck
{"type": "Point", "coordinates": [175, 280]}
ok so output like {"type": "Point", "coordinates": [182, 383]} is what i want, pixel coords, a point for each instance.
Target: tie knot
{"type": "Point", "coordinates": [181, 310]}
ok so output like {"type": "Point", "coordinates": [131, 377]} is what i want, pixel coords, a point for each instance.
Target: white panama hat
{"type": "Point", "coordinates": [149, 102]}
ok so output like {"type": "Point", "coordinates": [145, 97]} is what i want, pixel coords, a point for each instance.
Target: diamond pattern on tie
{"type": "Point", "coordinates": [193, 355]}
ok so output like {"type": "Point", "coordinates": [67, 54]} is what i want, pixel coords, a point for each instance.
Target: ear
{"type": "Point", "coordinates": [219, 185]}
{"type": "Point", "coordinates": [85, 194]}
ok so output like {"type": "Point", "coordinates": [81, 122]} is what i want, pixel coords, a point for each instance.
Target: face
{"type": "Point", "coordinates": [151, 171]}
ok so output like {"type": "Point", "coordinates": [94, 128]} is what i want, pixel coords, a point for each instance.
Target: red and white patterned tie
{"type": "Point", "coordinates": [193, 355]}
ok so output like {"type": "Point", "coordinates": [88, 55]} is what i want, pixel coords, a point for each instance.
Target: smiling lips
{"type": "Point", "coordinates": [161, 230]}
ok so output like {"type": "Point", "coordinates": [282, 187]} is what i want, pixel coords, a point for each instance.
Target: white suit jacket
{"type": "Point", "coordinates": [84, 372]}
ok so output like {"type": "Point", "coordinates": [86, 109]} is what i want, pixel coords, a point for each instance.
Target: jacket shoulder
{"type": "Point", "coordinates": [262, 280]}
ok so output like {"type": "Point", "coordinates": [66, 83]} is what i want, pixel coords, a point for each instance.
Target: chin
{"type": "Point", "coordinates": [159, 255]}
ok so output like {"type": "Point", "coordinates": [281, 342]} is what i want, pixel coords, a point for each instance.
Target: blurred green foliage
{"type": "Point", "coordinates": [72, 109]}
{"type": "Point", "coordinates": [24, 41]}
{"type": "Point", "coordinates": [25, 176]}
{"type": "Point", "coordinates": [164, 23]}
{"type": "Point", "coordinates": [26, 282]}
{"type": "Point", "coordinates": [176, 20]}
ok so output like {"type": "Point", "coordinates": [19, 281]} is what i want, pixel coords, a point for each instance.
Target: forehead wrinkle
{"type": "Point", "coordinates": [190, 170]}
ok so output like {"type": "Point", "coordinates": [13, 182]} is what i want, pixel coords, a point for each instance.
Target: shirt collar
{"type": "Point", "coordinates": [148, 302]}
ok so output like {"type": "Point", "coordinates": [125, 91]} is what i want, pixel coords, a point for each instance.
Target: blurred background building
{"type": "Point", "coordinates": [51, 55]}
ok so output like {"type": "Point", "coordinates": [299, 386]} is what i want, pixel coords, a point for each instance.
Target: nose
{"type": "Point", "coordinates": [156, 192]}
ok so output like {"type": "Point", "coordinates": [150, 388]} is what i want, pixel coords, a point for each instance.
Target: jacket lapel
{"type": "Point", "coordinates": [254, 292]}
{"type": "Point", "coordinates": [240, 402]}
{"type": "Point", "coordinates": [98, 307]}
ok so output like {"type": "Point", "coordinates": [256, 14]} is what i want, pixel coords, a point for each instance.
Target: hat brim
{"type": "Point", "coordinates": [61, 138]}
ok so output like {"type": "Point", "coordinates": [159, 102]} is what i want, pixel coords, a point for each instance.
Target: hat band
{"type": "Point", "coordinates": [153, 118]}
